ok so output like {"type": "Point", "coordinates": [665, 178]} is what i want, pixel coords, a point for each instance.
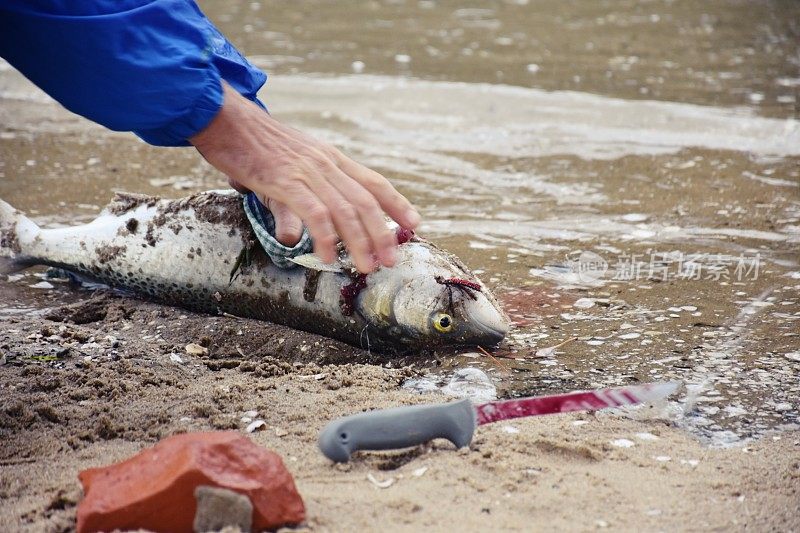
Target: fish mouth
{"type": "Point", "coordinates": [486, 326]}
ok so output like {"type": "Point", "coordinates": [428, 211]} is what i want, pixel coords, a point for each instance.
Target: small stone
{"type": "Point", "coordinates": [220, 508]}
{"type": "Point", "coordinates": [623, 443]}
{"type": "Point", "coordinates": [402, 58]}
{"type": "Point", "coordinates": [358, 67]}
{"type": "Point", "coordinates": [42, 285]}
{"type": "Point", "coordinates": [175, 358]}
{"type": "Point", "coordinates": [510, 429]}
{"type": "Point", "coordinates": [646, 436]}
{"type": "Point", "coordinates": [793, 356]}
{"type": "Point", "coordinates": [195, 349]}
{"type": "Point", "coordinates": [280, 432]}
{"type": "Point", "coordinates": [583, 303]}
{"type": "Point", "coordinates": [783, 407]}
{"type": "Point", "coordinates": [629, 336]}
{"type": "Point", "coordinates": [662, 458]}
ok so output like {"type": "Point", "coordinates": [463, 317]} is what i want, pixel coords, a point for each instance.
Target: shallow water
{"type": "Point", "coordinates": [622, 174]}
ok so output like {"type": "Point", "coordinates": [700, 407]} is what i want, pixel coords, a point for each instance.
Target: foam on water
{"type": "Point", "coordinates": [520, 122]}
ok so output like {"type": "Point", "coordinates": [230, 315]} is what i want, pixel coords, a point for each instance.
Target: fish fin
{"type": "Point", "coordinates": [15, 230]}
{"type": "Point", "coordinates": [313, 262]}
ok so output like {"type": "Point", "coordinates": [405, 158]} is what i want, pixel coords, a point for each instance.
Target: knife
{"type": "Point", "coordinates": [401, 427]}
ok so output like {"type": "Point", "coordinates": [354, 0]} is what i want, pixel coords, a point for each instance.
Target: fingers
{"type": "Point", "coordinates": [288, 226]}
{"type": "Point", "coordinates": [238, 187]}
{"type": "Point", "coordinates": [395, 204]}
{"type": "Point", "coordinates": [369, 220]}
{"type": "Point", "coordinates": [343, 213]}
{"type": "Point", "coordinates": [299, 198]}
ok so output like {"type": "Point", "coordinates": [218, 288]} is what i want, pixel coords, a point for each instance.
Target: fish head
{"type": "Point", "coordinates": [430, 299]}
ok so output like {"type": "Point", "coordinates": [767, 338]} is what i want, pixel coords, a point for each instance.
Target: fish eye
{"type": "Point", "coordinates": [442, 322]}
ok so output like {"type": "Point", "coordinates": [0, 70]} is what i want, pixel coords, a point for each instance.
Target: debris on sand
{"type": "Point", "coordinates": [381, 484]}
{"type": "Point", "coordinates": [134, 493]}
{"type": "Point", "coordinates": [196, 349]}
{"type": "Point", "coordinates": [256, 425]}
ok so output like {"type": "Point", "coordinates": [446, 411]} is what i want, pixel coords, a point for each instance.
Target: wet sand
{"type": "Point", "coordinates": [81, 395]}
{"type": "Point", "coordinates": [673, 157]}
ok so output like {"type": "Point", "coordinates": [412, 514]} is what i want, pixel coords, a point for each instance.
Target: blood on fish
{"type": "Point", "coordinates": [404, 235]}
{"type": "Point", "coordinates": [459, 282]}
{"type": "Point", "coordinates": [349, 292]}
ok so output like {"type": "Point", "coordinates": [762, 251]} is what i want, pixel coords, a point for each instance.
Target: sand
{"type": "Point", "coordinates": [92, 382]}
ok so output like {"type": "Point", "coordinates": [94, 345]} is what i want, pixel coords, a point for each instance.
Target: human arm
{"type": "Point", "coordinates": [155, 67]}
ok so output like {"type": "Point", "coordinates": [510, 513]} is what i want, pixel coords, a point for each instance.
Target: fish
{"type": "Point", "coordinates": [200, 253]}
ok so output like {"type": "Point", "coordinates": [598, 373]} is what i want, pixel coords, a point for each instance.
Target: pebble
{"type": "Point", "coordinates": [195, 349]}
{"type": "Point", "coordinates": [219, 508]}
{"type": "Point", "coordinates": [510, 429]}
{"type": "Point", "coordinates": [419, 471]}
{"type": "Point", "coordinates": [583, 303]}
{"type": "Point", "coordinates": [623, 443]}
{"type": "Point", "coordinates": [358, 67]}
{"type": "Point", "coordinates": [793, 356]}
{"type": "Point", "coordinates": [42, 285]}
{"type": "Point", "coordinates": [175, 358]}
{"type": "Point", "coordinates": [646, 436]}
{"type": "Point", "coordinates": [402, 58]}
{"type": "Point", "coordinates": [629, 336]}
{"type": "Point", "coordinates": [662, 458]}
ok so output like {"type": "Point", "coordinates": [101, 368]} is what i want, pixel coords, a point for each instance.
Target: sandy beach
{"type": "Point", "coordinates": [658, 139]}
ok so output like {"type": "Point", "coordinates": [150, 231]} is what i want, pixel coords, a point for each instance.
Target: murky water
{"type": "Point", "coordinates": [625, 175]}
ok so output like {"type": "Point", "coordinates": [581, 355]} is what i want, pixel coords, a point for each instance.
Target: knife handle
{"type": "Point", "coordinates": [399, 427]}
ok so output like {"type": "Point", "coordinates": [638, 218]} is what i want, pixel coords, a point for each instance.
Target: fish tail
{"type": "Point", "coordinates": [15, 230]}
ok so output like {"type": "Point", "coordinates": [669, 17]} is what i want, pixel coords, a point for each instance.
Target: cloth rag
{"type": "Point", "coordinates": [263, 224]}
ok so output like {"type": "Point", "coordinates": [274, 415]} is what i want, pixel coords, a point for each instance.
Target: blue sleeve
{"type": "Point", "coordinates": [152, 67]}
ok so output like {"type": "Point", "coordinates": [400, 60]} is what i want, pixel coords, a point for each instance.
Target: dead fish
{"type": "Point", "coordinates": [200, 253]}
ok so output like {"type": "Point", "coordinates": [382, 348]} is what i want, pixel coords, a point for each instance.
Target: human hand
{"type": "Point", "coordinates": [330, 192]}
{"type": "Point", "coordinates": [288, 226]}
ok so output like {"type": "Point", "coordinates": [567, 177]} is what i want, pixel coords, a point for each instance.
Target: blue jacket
{"type": "Point", "coordinates": [152, 67]}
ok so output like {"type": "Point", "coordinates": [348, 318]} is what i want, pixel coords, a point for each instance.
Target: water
{"type": "Point", "coordinates": [623, 175]}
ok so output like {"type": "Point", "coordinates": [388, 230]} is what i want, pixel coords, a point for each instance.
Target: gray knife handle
{"type": "Point", "coordinates": [400, 427]}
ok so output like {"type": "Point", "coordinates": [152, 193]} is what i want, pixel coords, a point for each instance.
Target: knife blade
{"type": "Point", "coordinates": [401, 427]}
